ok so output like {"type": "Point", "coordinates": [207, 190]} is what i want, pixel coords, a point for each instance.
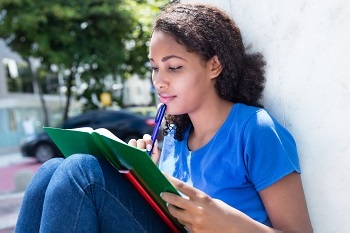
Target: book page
{"type": "Point", "coordinates": [108, 134]}
{"type": "Point", "coordinates": [101, 131]}
{"type": "Point", "coordinates": [83, 129]}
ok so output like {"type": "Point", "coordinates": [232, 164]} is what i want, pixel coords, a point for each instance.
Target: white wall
{"type": "Point", "coordinates": [307, 47]}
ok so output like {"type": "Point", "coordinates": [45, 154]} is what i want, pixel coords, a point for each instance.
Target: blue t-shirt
{"type": "Point", "coordinates": [250, 152]}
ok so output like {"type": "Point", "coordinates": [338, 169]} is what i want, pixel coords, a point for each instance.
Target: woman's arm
{"type": "Point", "coordinates": [286, 206]}
{"type": "Point", "coordinates": [201, 213]}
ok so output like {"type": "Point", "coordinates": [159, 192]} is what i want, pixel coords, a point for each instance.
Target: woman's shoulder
{"type": "Point", "coordinates": [258, 122]}
{"type": "Point", "coordinates": [254, 117]}
{"type": "Point", "coordinates": [245, 112]}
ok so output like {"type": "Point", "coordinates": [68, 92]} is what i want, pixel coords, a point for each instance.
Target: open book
{"type": "Point", "coordinates": [135, 163]}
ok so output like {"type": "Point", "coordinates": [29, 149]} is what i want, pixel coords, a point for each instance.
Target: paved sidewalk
{"type": "Point", "coordinates": [15, 173]}
{"type": "Point", "coordinates": [9, 208]}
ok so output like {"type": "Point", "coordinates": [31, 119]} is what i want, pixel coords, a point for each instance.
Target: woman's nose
{"type": "Point", "coordinates": [158, 81]}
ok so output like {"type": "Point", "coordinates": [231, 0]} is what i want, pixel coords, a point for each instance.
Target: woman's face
{"type": "Point", "coordinates": [182, 78]}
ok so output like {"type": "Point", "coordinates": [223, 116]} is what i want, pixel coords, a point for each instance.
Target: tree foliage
{"type": "Point", "coordinates": [83, 38]}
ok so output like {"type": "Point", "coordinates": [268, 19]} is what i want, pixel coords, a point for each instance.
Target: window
{"type": "Point", "coordinates": [17, 76]}
{"type": "Point", "coordinates": [49, 83]}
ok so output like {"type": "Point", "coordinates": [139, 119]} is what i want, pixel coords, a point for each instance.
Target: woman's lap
{"type": "Point", "coordinates": [87, 194]}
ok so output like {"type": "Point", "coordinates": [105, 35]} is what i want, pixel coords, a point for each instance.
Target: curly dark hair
{"type": "Point", "coordinates": [208, 31]}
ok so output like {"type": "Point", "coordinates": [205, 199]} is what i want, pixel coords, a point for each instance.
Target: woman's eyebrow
{"type": "Point", "coordinates": [171, 56]}
{"type": "Point", "coordinates": [168, 57]}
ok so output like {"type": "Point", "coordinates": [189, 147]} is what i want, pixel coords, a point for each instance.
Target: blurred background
{"type": "Point", "coordinates": [69, 64]}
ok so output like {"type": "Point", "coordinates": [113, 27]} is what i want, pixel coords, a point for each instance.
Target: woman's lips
{"type": "Point", "coordinates": [165, 98]}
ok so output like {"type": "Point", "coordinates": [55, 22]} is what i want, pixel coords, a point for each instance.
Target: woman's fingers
{"type": "Point", "coordinates": [147, 139]}
{"type": "Point", "coordinates": [146, 143]}
{"type": "Point", "coordinates": [184, 188]}
{"type": "Point", "coordinates": [141, 143]}
{"type": "Point", "coordinates": [155, 153]}
{"type": "Point", "coordinates": [132, 142]}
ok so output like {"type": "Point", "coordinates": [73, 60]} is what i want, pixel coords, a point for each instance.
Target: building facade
{"type": "Point", "coordinates": [20, 107]}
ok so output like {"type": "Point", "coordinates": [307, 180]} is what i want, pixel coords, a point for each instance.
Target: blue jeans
{"type": "Point", "coordinates": [84, 194]}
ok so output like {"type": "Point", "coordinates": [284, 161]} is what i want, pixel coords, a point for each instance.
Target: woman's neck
{"type": "Point", "coordinates": [207, 122]}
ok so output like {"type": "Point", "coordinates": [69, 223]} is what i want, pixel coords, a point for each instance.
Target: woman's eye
{"type": "Point", "coordinates": [154, 68]}
{"type": "Point", "coordinates": [175, 68]}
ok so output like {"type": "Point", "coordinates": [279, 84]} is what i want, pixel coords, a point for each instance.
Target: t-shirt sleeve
{"type": "Point", "coordinates": [270, 151]}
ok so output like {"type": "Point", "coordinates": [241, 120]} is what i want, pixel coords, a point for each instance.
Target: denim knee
{"type": "Point", "coordinates": [43, 176]}
{"type": "Point", "coordinates": [80, 169]}
{"type": "Point", "coordinates": [78, 163]}
{"type": "Point", "coordinates": [80, 159]}
{"type": "Point", "coordinates": [51, 165]}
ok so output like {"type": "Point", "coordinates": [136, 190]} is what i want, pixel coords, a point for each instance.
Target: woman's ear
{"type": "Point", "coordinates": [214, 66]}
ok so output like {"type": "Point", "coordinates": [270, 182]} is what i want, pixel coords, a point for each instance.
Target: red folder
{"type": "Point", "coordinates": [149, 199]}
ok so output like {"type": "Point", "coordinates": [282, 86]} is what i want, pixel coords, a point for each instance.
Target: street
{"type": "Point", "coordinates": [15, 174]}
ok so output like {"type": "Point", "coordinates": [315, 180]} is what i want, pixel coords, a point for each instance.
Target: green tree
{"type": "Point", "coordinates": [85, 38]}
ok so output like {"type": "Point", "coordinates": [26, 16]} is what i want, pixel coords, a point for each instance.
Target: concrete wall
{"type": "Point", "coordinates": [307, 47]}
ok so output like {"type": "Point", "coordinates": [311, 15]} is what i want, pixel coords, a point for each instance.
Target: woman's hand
{"type": "Point", "coordinates": [146, 143]}
{"type": "Point", "coordinates": [201, 213]}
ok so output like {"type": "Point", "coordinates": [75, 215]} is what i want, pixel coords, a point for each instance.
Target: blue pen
{"type": "Point", "coordinates": [158, 121]}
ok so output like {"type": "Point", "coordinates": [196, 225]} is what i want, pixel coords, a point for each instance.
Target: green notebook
{"type": "Point", "coordinates": [104, 144]}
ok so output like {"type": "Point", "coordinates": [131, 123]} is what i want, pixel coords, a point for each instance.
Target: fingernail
{"type": "Point", "coordinates": [161, 194]}
{"type": "Point", "coordinates": [148, 147]}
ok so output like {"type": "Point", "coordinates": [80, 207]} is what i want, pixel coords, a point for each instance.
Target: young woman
{"type": "Point", "coordinates": [235, 164]}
